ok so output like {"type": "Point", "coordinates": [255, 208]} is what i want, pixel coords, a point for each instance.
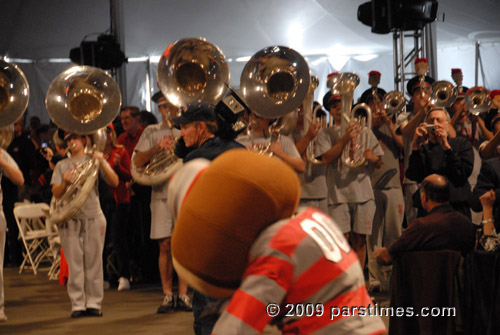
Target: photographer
{"type": "Point", "coordinates": [433, 151]}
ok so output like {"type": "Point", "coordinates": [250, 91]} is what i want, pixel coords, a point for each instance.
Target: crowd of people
{"type": "Point", "coordinates": [427, 179]}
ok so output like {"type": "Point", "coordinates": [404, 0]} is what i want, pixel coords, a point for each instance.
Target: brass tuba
{"type": "Point", "coordinates": [353, 153]}
{"type": "Point", "coordinates": [477, 100]}
{"type": "Point", "coordinates": [81, 100]}
{"type": "Point", "coordinates": [275, 81]}
{"type": "Point", "coordinates": [190, 70]}
{"type": "Point", "coordinates": [443, 94]}
{"type": "Point", "coordinates": [14, 98]}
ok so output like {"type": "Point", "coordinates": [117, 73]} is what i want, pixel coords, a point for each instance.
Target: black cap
{"type": "Point", "coordinates": [196, 111]}
{"type": "Point", "coordinates": [367, 95]}
{"type": "Point", "coordinates": [414, 83]}
{"type": "Point", "coordinates": [329, 98]}
{"type": "Point", "coordinates": [157, 96]}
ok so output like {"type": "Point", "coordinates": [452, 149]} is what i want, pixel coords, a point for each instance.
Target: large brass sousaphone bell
{"type": "Point", "coordinates": [275, 81]}
{"type": "Point", "coordinates": [14, 98]}
{"type": "Point", "coordinates": [190, 70]}
{"type": "Point", "coordinates": [82, 100]}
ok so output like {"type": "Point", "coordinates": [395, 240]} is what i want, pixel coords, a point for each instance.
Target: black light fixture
{"type": "Point", "coordinates": [104, 53]}
{"type": "Point", "coordinates": [385, 15]}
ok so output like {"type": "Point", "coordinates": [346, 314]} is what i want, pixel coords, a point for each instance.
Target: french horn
{"type": "Point", "coordinates": [81, 100]}
{"type": "Point", "coordinates": [14, 98]}
{"type": "Point", "coordinates": [190, 70]}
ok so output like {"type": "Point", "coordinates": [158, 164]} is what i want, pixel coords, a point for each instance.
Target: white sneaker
{"type": "Point", "coordinates": [3, 317]}
{"type": "Point", "coordinates": [123, 284]}
{"type": "Point", "coordinates": [106, 285]}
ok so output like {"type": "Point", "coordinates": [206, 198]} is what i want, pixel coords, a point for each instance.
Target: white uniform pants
{"type": "Point", "coordinates": [387, 226]}
{"type": "Point", "coordinates": [83, 241]}
{"type": "Point", "coordinates": [3, 233]}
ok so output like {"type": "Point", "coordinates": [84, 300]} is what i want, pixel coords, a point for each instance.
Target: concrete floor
{"type": "Point", "coordinates": [36, 305]}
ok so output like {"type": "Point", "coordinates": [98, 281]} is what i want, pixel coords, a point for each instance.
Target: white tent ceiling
{"type": "Point", "coordinates": [37, 29]}
{"type": "Point", "coordinates": [41, 30]}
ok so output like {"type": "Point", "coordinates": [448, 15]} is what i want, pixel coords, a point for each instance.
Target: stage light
{"type": "Point", "coordinates": [104, 53]}
{"type": "Point", "coordinates": [387, 15]}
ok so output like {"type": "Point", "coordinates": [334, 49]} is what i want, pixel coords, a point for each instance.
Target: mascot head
{"type": "Point", "coordinates": [221, 208]}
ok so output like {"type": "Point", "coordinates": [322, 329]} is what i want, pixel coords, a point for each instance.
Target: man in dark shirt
{"type": "Point", "coordinates": [198, 126]}
{"type": "Point", "coordinates": [434, 152]}
{"type": "Point", "coordinates": [443, 227]}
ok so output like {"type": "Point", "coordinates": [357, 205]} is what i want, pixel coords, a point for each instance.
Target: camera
{"type": "Point", "coordinates": [431, 128]}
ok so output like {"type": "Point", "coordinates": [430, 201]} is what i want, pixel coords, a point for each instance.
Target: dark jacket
{"type": "Point", "coordinates": [488, 179]}
{"type": "Point", "coordinates": [443, 228]}
{"type": "Point", "coordinates": [455, 164]}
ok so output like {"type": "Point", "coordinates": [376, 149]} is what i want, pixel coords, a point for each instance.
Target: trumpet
{"type": "Point", "coordinates": [353, 153]}
{"type": "Point", "coordinates": [477, 100]}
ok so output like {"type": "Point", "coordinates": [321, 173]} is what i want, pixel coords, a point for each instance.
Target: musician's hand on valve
{"type": "Point", "coordinates": [313, 130]}
{"type": "Point", "coordinates": [98, 156]}
{"type": "Point", "coordinates": [68, 176]}
{"type": "Point", "coordinates": [350, 133]}
{"type": "Point", "coordinates": [166, 143]}
{"type": "Point", "coordinates": [276, 148]}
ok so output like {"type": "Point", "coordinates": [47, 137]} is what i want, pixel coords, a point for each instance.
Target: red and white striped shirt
{"type": "Point", "coordinates": [306, 267]}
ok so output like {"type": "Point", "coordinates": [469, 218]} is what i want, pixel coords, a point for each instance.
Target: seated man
{"type": "Point", "coordinates": [442, 228]}
{"type": "Point", "coordinates": [235, 234]}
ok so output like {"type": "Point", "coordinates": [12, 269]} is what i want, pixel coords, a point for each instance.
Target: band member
{"type": "Point", "coordinates": [9, 168]}
{"type": "Point", "coordinates": [374, 81]}
{"type": "Point", "coordinates": [458, 78]}
{"type": "Point", "coordinates": [235, 234]}
{"type": "Point", "coordinates": [261, 138]}
{"type": "Point", "coordinates": [350, 193]}
{"type": "Point", "coordinates": [155, 138]}
{"type": "Point", "coordinates": [389, 212]}
{"type": "Point", "coordinates": [313, 181]}
{"type": "Point", "coordinates": [406, 123]}
{"type": "Point", "coordinates": [82, 236]}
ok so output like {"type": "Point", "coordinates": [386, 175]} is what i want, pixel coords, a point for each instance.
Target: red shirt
{"type": "Point", "coordinates": [129, 141]}
{"type": "Point", "coordinates": [122, 169]}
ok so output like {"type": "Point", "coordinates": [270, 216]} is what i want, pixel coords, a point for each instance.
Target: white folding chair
{"type": "Point", "coordinates": [35, 234]}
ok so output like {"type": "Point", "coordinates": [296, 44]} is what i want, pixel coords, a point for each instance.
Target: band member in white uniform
{"type": "Point", "coordinates": [9, 168]}
{"type": "Point", "coordinates": [82, 236]}
{"type": "Point", "coordinates": [261, 140]}
{"type": "Point", "coordinates": [155, 138]}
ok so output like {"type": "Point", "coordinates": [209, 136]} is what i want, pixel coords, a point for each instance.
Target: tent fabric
{"type": "Point", "coordinates": [326, 32]}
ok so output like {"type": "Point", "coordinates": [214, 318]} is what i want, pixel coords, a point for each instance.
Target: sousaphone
{"type": "Point", "coordinates": [190, 70]}
{"type": "Point", "coordinates": [82, 100]}
{"type": "Point", "coordinates": [14, 98]}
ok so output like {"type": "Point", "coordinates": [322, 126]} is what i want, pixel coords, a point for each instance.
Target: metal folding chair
{"type": "Point", "coordinates": [35, 232]}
